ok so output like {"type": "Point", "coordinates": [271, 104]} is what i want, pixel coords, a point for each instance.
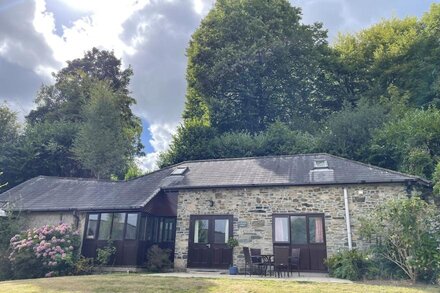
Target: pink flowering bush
{"type": "Point", "coordinates": [47, 251]}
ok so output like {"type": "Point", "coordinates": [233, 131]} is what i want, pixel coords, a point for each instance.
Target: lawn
{"type": "Point", "coordinates": [148, 283]}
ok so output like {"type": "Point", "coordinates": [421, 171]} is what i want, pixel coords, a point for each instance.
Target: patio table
{"type": "Point", "coordinates": [267, 260]}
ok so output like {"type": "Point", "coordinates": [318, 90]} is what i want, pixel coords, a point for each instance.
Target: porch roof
{"type": "Point", "coordinates": [46, 193]}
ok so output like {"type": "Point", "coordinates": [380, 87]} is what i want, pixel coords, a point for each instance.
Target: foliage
{"type": "Point", "coordinates": [198, 141]}
{"type": "Point", "coordinates": [46, 149]}
{"type": "Point", "coordinates": [46, 145]}
{"type": "Point", "coordinates": [348, 264]}
{"type": "Point", "coordinates": [251, 63]}
{"type": "Point", "coordinates": [436, 180]}
{"type": "Point", "coordinates": [102, 145]}
{"type": "Point", "coordinates": [408, 234]}
{"type": "Point", "coordinates": [46, 251]}
{"type": "Point", "coordinates": [105, 255]}
{"type": "Point", "coordinates": [73, 89]}
{"type": "Point", "coordinates": [232, 242]}
{"type": "Point", "coordinates": [410, 144]}
{"type": "Point", "coordinates": [83, 266]}
{"type": "Point", "coordinates": [9, 126]}
{"type": "Point", "coordinates": [399, 52]}
{"type": "Point", "coordinates": [9, 135]}
{"type": "Point", "coordinates": [158, 259]}
{"type": "Point", "coordinates": [189, 143]}
{"type": "Point", "coordinates": [133, 171]}
{"type": "Point", "coordinates": [9, 226]}
{"type": "Point", "coordinates": [349, 132]}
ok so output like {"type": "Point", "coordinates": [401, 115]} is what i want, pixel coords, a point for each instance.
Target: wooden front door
{"type": "Point", "coordinates": [207, 247]}
{"type": "Point", "coordinates": [306, 232]}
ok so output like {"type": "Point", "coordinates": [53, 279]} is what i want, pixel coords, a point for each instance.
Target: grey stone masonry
{"type": "Point", "coordinates": [252, 210]}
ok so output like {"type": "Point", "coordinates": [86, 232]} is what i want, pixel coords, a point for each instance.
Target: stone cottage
{"type": "Point", "coordinates": [312, 202]}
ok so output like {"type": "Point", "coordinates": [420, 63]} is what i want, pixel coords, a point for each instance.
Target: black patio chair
{"type": "Point", "coordinates": [256, 255]}
{"type": "Point", "coordinates": [281, 260]}
{"type": "Point", "coordinates": [295, 260]}
{"type": "Point", "coordinates": [251, 266]}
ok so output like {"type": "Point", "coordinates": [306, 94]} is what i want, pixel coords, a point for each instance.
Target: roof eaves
{"type": "Point", "coordinates": [177, 187]}
{"type": "Point", "coordinates": [417, 178]}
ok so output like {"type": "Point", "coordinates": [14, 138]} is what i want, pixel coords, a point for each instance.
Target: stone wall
{"type": "Point", "coordinates": [39, 219]}
{"type": "Point", "coordinates": [252, 209]}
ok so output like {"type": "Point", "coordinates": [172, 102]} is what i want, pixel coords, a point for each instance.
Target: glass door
{"type": "Point", "coordinates": [208, 241]}
{"type": "Point", "coordinates": [303, 231]}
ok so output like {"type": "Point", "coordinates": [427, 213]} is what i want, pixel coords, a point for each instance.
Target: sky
{"type": "Point", "coordinates": [37, 37]}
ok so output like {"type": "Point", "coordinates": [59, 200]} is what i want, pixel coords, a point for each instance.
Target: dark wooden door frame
{"type": "Point", "coordinates": [211, 246]}
{"type": "Point", "coordinates": [308, 244]}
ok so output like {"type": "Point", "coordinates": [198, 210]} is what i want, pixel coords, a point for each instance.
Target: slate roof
{"type": "Point", "coordinates": [285, 170]}
{"type": "Point", "coordinates": [44, 193]}
{"type": "Point", "coordinates": [53, 193]}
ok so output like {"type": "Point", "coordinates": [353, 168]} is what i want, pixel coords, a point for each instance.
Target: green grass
{"type": "Point", "coordinates": [148, 283]}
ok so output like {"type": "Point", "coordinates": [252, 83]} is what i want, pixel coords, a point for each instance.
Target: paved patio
{"type": "Point", "coordinates": [305, 277]}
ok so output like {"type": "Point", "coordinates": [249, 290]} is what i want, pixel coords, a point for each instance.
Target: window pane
{"type": "Point", "coordinates": [150, 229]}
{"type": "Point", "coordinates": [92, 225]}
{"type": "Point", "coordinates": [316, 230]}
{"type": "Point", "coordinates": [281, 229]}
{"type": "Point", "coordinates": [168, 228]}
{"type": "Point", "coordinates": [155, 237]}
{"type": "Point", "coordinates": [143, 228]}
{"type": "Point", "coordinates": [298, 230]}
{"type": "Point", "coordinates": [104, 226]}
{"type": "Point", "coordinates": [221, 231]}
{"type": "Point", "coordinates": [201, 231]}
{"type": "Point", "coordinates": [160, 234]}
{"type": "Point", "coordinates": [131, 226]}
{"type": "Point", "coordinates": [118, 226]}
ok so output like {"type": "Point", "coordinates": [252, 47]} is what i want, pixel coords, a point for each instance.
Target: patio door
{"type": "Point", "coordinates": [208, 241]}
{"type": "Point", "coordinates": [306, 232]}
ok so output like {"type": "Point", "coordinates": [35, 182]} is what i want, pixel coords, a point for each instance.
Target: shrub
{"type": "Point", "coordinates": [9, 226]}
{"type": "Point", "coordinates": [158, 259]}
{"type": "Point", "coordinates": [407, 233]}
{"type": "Point", "coordinates": [106, 255]}
{"type": "Point", "coordinates": [348, 264]}
{"type": "Point", "coordinates": [83, 266]}
{"type": "Point", "coordinates": [46, 251]}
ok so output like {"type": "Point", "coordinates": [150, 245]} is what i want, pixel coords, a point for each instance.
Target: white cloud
{"type": "Point", "coordinates": [161, 137]}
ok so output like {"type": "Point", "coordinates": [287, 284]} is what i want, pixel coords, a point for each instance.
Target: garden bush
{"type": "Point", "coordinates": [406, 233]}
{"type": "Point", "coordinates": [105, 255]}
{"type": "Point", "coordinates": [348, 264]}
{"type": "Point", "coordinates": [158, 259]}
{"type": "Point", "coordinates": [9, 226]}
{"type": "Point", "coordinates": [84, 266]}
{"type": "Point", "coordinates": [46, 251]}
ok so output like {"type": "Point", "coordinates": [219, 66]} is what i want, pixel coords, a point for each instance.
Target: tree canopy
{"type": "Point", "coordinates": [45, 144]}
{"type": "Point", "coordinates": [256, 72]}
{"type": "Point", "coordinates": [101, 144]}
{"type": "Point", "coordinates": [251, 63]}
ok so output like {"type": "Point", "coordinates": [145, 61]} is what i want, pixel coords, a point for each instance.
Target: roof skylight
{"type": "Point", "coordinates": [179, 170]}
{"type": "Point", "coordinates": [320, 163]}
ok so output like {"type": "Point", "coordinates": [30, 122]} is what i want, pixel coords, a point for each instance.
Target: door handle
{"type": "Point", "coordinates": [208, 245]}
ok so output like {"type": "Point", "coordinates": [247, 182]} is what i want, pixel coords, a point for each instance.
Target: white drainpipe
{"type": "Point", "coordinates": [347, 219]}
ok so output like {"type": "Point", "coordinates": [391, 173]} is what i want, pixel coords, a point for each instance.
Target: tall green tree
{"type": "Point", "coordinates": [400, 52]}
{"type": "Point", "coordinates": [10, 135]}
{"type": "Point", "coordinates": [64, 100]}
{"type": "Point", "coordinates": [348, 133]}
{"type": "Point", "coordinates": [101, 144]}
{"type": "Point", "coordinates": [251, 63]}
{"type": "Point", "coordinates": [410, 144]}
